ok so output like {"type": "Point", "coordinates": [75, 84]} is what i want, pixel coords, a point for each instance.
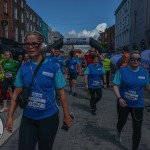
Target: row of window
{"type": "Point", "coordinates": [32, 18]}
{"type": "Point", "coordinates": [5, 33]}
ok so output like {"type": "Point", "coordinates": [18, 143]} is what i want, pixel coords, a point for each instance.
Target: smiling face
{"type": "Point", "coordinates": [134, 60]}
{"type": "Point", "coordinates": [92, 52]}
{"type": "Point", "coordinates": [7, 55]}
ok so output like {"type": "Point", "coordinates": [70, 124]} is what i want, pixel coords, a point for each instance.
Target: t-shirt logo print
{"type": "Point", "coordinates": [49, 74]}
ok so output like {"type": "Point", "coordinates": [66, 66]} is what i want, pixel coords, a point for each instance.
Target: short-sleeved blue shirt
{"type": "Point", "coordinates": [42, 103]}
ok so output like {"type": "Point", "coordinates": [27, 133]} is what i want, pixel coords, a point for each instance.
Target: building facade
{"type": "Point", "coordinates": [107, 39]}
{"type": "Point", "coordinates": [122, 27]}
{"type": "Point", "coordinates": [140, 25]}
{"type": "Point", "coordinates": [6, 21]}
{"type": "Point", "coordinates": [17, 18]}
{"type": "Point", "coordinates": [133, 25]}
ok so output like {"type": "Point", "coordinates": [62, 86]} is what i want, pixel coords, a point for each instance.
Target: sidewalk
{"type": "Point", "coordinates": [93, 132]}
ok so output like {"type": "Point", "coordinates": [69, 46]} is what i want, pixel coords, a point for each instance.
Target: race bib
{"type": "Point", "coordinates": [8, 75]}
{"type": "Point", "coordinates": [72, 67]}
{"type": "Point", "coordinates": [96, 83]}
{"type": "Point", "coordinates": [131, 96]}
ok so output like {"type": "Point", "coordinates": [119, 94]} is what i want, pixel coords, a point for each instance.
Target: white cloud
{"type": "Point", "coordinates": [87, 33]}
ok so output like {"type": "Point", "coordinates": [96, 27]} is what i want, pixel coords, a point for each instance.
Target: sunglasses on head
{"type": "Point", "coordinates": [135, 59]}
{"type": "Point", "coordinates": [33, 44]}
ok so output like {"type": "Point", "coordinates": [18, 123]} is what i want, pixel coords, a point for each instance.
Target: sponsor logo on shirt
{"type": "Point", "coordinates": [141, 77]}
{"type": "Point", "coordinates": [47, 74]}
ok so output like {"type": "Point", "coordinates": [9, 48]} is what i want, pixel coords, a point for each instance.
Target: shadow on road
{"type": "Point", "coordinates": [104, 134]}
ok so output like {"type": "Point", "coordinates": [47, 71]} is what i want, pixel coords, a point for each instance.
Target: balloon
{"type": "Point", "coordinates": [76, 41]}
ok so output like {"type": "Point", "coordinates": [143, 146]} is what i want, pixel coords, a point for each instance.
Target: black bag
{"type": "Point", "coordinates": [23, 97]}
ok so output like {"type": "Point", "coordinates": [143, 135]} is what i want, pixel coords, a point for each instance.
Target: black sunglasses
{"type": "Point", "coordinates": [33, 44]}
{"type": "Point", "coordinates": [135, 59]}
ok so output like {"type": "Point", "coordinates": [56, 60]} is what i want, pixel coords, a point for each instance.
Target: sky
{"type": "Point", "coordinates": [76, 18]}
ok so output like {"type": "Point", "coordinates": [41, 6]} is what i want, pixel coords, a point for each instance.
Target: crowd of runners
{"type": "Point", "coordinates": [40, 116]}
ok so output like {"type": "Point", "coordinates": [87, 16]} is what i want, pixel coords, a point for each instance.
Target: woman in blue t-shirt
{"type": "Point", "coordinates": [129, 89]}
{"type": "Point", "coordinates": [93, 77]}
{"type": "Point", "coordinates": [40, 119]}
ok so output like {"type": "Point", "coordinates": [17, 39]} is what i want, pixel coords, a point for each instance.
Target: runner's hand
{"type": "Point", "coordinates": [122, 102]}
{"type": "Point", "coordinates": [86, 87]}
{"type": "Point", "coordinates": [9, 125]}
{"type": "Point", "coordinates": [68, 120]}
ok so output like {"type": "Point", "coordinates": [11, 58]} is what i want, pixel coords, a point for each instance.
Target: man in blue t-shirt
{"type": "Point", "coordinates": [71, 64]}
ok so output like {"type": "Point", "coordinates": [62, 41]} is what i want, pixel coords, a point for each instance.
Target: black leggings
{"type": "Point", "coordinates": [6, 83]}
{"type": "Point", "coordinates": [96, 95]}
{"type": "Point", "coordinates": [137, 119]}
{"type": "Point", "coordinates": [41, 131]}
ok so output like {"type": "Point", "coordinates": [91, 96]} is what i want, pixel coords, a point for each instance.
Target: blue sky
{"type": "Point", "coordinates": [76, 17]}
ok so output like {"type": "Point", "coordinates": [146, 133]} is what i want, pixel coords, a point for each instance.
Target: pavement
{"type": "Point", "coordinates": [90, 132]}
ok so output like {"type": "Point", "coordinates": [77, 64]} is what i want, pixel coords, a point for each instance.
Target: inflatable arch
{"type": "Point", "coordinates": [76, 41]}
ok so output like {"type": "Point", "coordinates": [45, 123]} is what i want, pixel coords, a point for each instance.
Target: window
{"type": "Point", "coordinates": [5, 7]}
{"type": "Point", "coordinates": [22, 36]}
{"type": "Point", "coordinates": [27, 26]}
{"type": "Point", "coordinates": [22, 18]}
{"type": "Point", "coordinates": [22, 3]}
{"type": "Point", "coordinates": [30, 16]}
{"type": "Point", "coordinates": [31, 27]}
{"type": "Point", "coordinates": [27, 14]}
{"type": "Point", "coordinates": [37, 22]}
{"type": "Point", "coordinates": [34, 28]}
{"type": "Point", "coordinates": [33, 19]}
{"type": "Point", "coordinates": [6, 31]}
{"type": "Point", "coordinates": [16, 34]}
{"type": "Point", "coordinates": [15, 13]}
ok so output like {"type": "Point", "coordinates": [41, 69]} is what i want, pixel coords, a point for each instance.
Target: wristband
{"type": "Point", "coordinates": [119, 98]}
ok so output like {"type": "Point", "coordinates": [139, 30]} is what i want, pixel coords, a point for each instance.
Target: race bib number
{"type": "Point", "coordinates": [72, 67]}
{"type": "Point", "coordinates": [36, 105]}
{"type": "Point", "coordinates": [131, 96]}
{"type": "Point", "coordinates": [36, 101]}
{"type": "Point", "coordinates": [8, 75]}
{"type": "Point", "coordinates": [96, 83]}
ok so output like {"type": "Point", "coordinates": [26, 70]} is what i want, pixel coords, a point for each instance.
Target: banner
{"type": "Point", "coordinates": [76, 41]}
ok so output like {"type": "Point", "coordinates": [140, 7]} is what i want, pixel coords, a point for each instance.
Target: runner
{"type": "Point", "coordinates": [129, 86]}
{"type": "Point", "coordinates": [40, 119]}
{"type": "Point", "coordinates": [93, 76]}
{"type": "Point", "coordinates": [71, 65]}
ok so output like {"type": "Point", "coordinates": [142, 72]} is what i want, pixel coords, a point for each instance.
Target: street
{"type": "Point", "coordinates": [93, 132]}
